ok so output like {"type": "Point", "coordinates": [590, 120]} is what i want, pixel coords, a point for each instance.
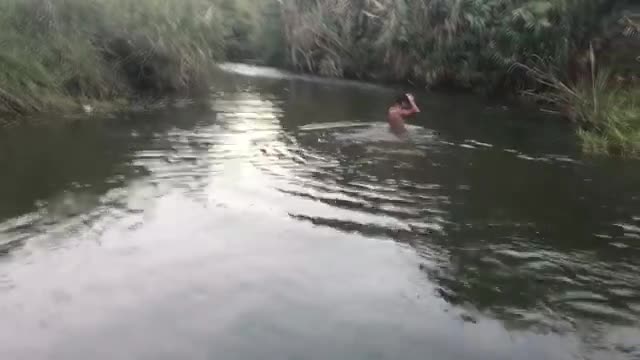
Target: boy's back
{"type": "Point", "coordinates": [404, 107]}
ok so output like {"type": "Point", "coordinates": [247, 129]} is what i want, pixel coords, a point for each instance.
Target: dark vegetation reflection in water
{"type": "Point", "coordinates": [283, 220]}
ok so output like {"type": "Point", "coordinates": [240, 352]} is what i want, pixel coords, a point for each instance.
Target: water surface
{"type": "Point", "coordinates": [281, 220]}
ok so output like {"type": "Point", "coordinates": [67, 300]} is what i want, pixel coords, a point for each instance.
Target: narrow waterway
{"type": "Point", "coordinates": [282, 220]}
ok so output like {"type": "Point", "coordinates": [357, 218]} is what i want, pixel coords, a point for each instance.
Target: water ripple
{"type": "Point", "coordinates": [493, 236]}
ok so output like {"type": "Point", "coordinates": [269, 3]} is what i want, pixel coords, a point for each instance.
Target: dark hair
{"type": "Point", "coordinates": [402, 98]}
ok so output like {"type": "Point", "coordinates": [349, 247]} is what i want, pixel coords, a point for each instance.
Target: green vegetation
{"type": "Point", "coordinates": [616, 128]}
{"type": "Point", "coordinates": [607, 113]}
{"type": "Point", "coordinates": [103, 50]}
{"type": "Point", "coordinates": [461, 43]}
{"type": "Point", "coordinates": [604, 103]}
{"type": "Point", "coordinates": [543, 48]}
{"type": "Point", "coordinates": [613, 126]}
{"type": "Point", "coordinates": [253, 31]}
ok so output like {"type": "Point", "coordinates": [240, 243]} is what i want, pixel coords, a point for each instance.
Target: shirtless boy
{"type": "Point", "coordinates": [404, 107]}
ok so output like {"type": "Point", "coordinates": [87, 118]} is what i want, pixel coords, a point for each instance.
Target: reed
{"type": "Point", "coordinates": [463, 43]}
{"type": "Point", "coordinates": [51, 50]}
{"type": "Point", "coordinates": [605, 110]}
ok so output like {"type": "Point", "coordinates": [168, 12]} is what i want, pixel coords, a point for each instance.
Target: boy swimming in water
{"type": "Point", "coordinates": [404, 107]}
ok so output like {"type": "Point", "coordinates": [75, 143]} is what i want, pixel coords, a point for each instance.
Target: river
{"type": "Point", "coordinates": [281, 220]}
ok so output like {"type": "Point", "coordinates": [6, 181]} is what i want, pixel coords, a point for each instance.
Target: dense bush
{"type": "Point", "coordinates": [570, 54]}
{"type": "Point", "coordinates": [52, 50]}
{"type": "Point", "coordinates": [467, 43]}
{"type": "Point", "coordinates": [57, 52]}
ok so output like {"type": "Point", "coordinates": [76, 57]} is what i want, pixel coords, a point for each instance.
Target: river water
{"type": "Point", "coordinates": [281, 220]}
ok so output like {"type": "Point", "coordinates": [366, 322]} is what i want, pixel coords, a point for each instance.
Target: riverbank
{"type": "Point", "coordinates": [60, 55]}
{"type": "Point", "coordinates": [66, 54]}
{"type": "Point", "coordinates": [584, 54]}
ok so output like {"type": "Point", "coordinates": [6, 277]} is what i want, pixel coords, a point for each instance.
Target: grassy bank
{"type": "Point", "coordinates": [461, 43]}
{"type": "Point", "coordinates": [59, 53]}
{"type": "Point", "coordinates": [605, 110]}
{"type": "Point", "coordinates": [474, 44]}
{"type": "Point", "coordinates": [604, 102]}
{"type": "Point", "coordinates": [612, 101]}
{"type": "Point", "coordinates": [616, 130]}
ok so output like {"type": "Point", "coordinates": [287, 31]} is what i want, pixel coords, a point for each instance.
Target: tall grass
{"type": "Point", "coordinates": [605, 110]}
{"type": "Point", "coordinates": [103, 49]}
{"type": "Point", "coordinates": [617, 130]}
{"type": "Point", "coordinates": [52, 51]}
{"type": "Point", "coordinates": [466, 43]}
{"type": "Point", "coordinates": [253, 30]}
{"type": "Point", "coordinates": [548, 46]}
{"type": "Point", "coordinates": [614, 124]}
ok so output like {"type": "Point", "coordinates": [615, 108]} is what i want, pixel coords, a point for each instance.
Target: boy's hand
{"type": "Point", "coordinates": [414, 108]}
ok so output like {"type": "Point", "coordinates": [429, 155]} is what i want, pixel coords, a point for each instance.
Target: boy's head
{"type": "Point", "coordinates": [403, 101]}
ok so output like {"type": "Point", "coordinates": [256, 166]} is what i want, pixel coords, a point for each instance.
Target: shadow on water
{"type": "Point", "coordinates": [503, 222]}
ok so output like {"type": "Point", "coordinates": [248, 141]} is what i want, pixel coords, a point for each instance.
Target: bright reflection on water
{"type": "Point", "coordinates": [283, 221]}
